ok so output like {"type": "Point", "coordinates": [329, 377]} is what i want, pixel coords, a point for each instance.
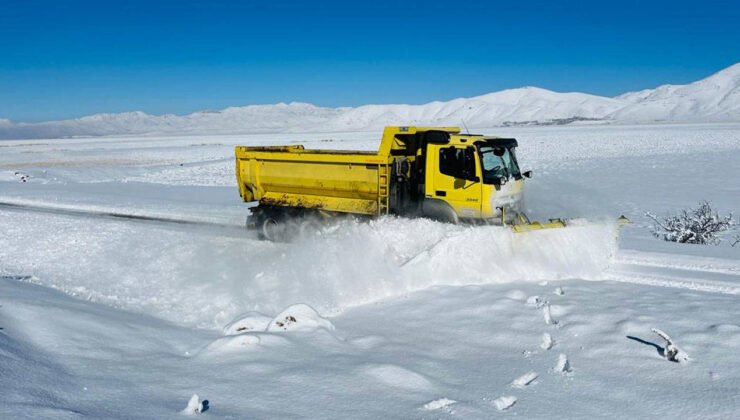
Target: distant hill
{"type": "Point", "coordinates": [715, 98]}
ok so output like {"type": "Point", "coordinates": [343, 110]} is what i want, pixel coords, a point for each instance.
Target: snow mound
{"type": "Point", "coordinates": [398, 377]}
{"type": "Point", "coordinates": [195, 406]}
{"type": "Point", "coordinates": [504, 403]}
{"type": "Point", "coordinates": [524, 380]}
{"type": "Point", "coordinates": [244, 343]}
{"type": "Point", "coordinates": [547, 342]}
{"type": "Point", "coordinates": [255, 330]}
{"type": "Point", "coordinates": [438, 403]}
{"type": "Point", "coordinates": [563, 365]}
{"type": "Point", "coordinates": [251, 321]}
{"type": "Point", "coordinates": [299, 317]}
{"type": "Point", "coordinates": [235, 343]}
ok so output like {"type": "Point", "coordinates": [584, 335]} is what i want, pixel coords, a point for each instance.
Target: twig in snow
{"type": "Point", "coordinates": [671, 352]}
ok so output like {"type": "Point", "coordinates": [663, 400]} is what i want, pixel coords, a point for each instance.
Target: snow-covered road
{"type": "Point", "coordinates": [161, 294]}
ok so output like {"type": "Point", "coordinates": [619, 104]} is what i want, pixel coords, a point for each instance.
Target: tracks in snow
{"type": "Point", "coordinates": [112, 215]}
{"type": "Point", "coordinates": [704, 274]}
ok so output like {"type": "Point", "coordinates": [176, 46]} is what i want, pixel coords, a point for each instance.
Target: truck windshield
{"type": "Point", "coordinates": [498, 163]}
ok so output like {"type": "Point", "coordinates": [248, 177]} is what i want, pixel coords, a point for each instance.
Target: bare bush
{"type": "Point", "coordinates": [693, 226]}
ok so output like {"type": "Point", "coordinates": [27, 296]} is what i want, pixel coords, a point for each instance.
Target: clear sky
{"type": "Point", "coordinates": [62, 59]}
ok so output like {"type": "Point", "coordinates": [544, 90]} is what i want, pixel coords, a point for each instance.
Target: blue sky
{"type": "Point", "coordinates": [62, 59]}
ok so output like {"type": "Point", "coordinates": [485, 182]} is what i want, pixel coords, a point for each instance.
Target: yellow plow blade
{"type": "Point", "coordinates": [526, 226]}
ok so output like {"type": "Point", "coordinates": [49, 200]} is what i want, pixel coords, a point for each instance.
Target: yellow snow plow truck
{"type": "Point", "coordinates": [433, 172]}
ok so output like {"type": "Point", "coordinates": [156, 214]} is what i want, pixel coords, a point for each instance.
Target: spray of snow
{"type": "Point", "coordinates": [207, 279]}
{"type": "Point", "coordinates": [361, 262]}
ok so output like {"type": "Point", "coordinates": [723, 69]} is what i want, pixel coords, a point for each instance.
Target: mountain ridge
{"type": "Point", "coordinates": [715, 98]}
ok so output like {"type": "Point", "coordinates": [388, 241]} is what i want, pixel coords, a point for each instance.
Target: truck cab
{"type": "Point", "coordinates": [458, 177]}
{"type": "Point", "coordinates": [477, 177]}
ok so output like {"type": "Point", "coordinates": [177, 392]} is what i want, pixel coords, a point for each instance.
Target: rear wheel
{"type": "Point", "coordinates": [284, 224]}
{"type": "Point", "coordinates": [274, 229]}
{"type": "Point", "coordinates": [309, 227]}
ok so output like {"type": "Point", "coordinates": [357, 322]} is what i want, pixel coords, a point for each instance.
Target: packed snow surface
{"type": "Point", "coordinates": [129, 288]}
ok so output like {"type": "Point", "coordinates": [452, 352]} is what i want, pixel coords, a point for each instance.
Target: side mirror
{"type": "Point", "coordinates": [527, 174]}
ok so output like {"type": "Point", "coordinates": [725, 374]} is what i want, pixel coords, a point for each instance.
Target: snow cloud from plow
{"type": "Point", "coordinates": [363, 262]}
{"type": "Point", "coordinates": [204, 278]}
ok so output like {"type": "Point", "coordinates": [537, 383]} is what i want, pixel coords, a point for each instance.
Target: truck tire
{"type": "Point", "coordinates": [439, 210]}
{"type": "Point", "coordinates": [272, 229]}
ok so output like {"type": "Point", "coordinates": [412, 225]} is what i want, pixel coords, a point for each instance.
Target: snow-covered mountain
{"type": "Point", "coordinates": [504, 107]}
{"type": "Point", "coordinates": [716, 98]}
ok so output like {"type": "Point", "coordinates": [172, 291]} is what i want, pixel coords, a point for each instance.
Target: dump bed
{"type": "Point", "coordinates": [291, 176]}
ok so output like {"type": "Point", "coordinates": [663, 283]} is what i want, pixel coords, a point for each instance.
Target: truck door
{"type": "Point", "coordinates": [451, 173]}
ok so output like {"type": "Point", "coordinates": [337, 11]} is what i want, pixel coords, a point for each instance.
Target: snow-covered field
{"type": "Point", "coordinates": [104, 316]}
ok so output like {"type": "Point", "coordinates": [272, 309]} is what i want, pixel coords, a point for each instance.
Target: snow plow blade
{"type": "Point", "coordinates": [555, 224]}
{"type": "Point", "coordinates": [527, 227]}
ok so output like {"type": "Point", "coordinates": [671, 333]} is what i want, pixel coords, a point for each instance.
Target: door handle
{"type": "Point", "coordinates": [440, 193]}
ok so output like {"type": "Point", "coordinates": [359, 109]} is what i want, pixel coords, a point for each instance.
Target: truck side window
{"type": "Point", "coordinates": [452, 162]}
